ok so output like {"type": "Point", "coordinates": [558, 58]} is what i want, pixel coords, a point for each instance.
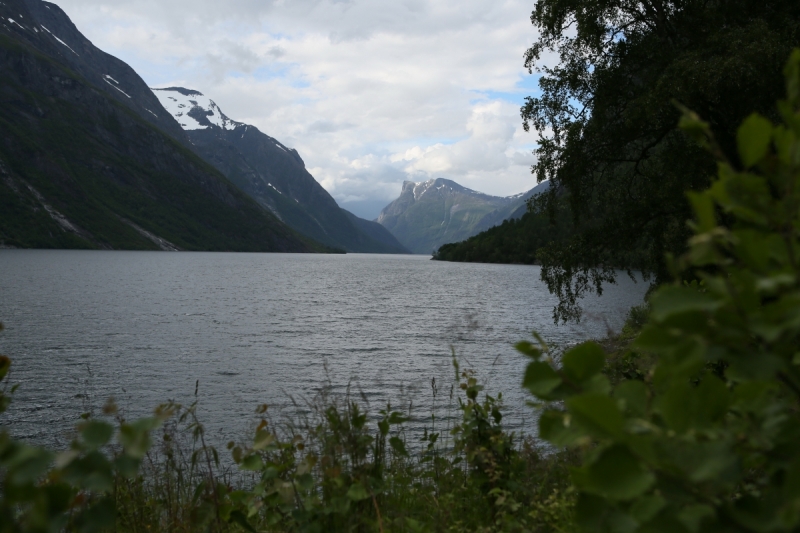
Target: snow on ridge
{"type": "Point", "coordinates": [62, 42]}
{"type": "Point", "coordinates": [117, 88]}
{"type": "Point", "coordinates": [424, 185]}
{"type": "Point", "coordinates": [179, 106]}
{"type": "Point", "coordinates": [12, 21]}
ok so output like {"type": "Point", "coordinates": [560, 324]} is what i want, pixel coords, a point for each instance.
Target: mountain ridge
{"type": "Point", "coordinates": [439, 211]}
{"type": "Point", "coordinates": [271, 173]}
{"type": "Point", "coordinates": [84, 167]}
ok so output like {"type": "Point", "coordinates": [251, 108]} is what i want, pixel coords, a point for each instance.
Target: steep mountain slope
{"type": "Point", "coordinates": [439, 211]}
{"type": "Point", "coordinates": [80, 167]}
{"type": "Point", "coordinates": [515, 209]}
{"type": "Point", "coordinates": [377, 233]}
{"type": "Point", "coordinates": [48, 29]}
{"type": "Point", "coordinates": [272, 174]}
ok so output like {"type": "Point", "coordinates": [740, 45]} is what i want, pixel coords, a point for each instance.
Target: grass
{"type": "Point", "coordinates": [338, 467]}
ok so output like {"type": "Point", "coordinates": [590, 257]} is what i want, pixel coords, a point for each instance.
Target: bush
{"type": "Point", "coordinates": [709, 440]}
{"type": "Point", "coordinates": [335, 469]}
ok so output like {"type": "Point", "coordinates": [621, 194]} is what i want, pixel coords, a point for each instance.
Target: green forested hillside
{"type": "Point", "coordinates": [515, 241]}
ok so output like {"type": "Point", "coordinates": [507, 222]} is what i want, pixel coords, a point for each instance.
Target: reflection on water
{"type": "Point", "coordinates": [143, 327]}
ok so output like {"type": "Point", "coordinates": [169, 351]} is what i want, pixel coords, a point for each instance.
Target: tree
{"type": "Point", "coordinates": [707, 439]}
{"type": "Point", "coordinates": [605, 119]}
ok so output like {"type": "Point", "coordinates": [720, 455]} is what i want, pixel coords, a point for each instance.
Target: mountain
{"type": "Point", "coordinates": [439, 211]}
{"type": "Point", "coordinates": [273, 174]}
{"type": "Point", "coordinates": [90, 159]}
{"type": "Point", "coordinates": [51, 31]}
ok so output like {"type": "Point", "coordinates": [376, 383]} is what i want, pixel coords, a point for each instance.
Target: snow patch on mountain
{"type": "Point", "coordinates": [107, 77]}
{"type": "Point", "coordinates": [421, 188]}
{"type": "Point", "coordinates": [62, 42]}
{"type": "Point", "coordinates": [180, 102]}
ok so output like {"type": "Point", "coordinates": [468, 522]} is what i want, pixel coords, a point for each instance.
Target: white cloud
{"type": "Point", "coordinates": [370, 92]}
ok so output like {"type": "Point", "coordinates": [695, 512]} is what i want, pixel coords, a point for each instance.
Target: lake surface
{"type": "Point", "coordinates": [143, 327]}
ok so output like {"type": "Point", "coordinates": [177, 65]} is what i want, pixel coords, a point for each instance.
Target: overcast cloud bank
{"type": "Point", "coordinates": [371, 93]}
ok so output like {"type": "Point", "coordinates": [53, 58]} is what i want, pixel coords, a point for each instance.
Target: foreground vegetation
{"type": "Point", "coordinates": [338, 468]}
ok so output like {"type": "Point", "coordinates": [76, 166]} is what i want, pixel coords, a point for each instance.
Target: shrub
{"type": "Point", "coordinates": [335, 469]}
{"type": "Point", "coordinates": [709, 440]}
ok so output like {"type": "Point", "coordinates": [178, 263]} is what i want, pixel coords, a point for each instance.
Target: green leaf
{"type": "Point", "coordinates": [597, 413]}
{"type": "Point", "coordinates": [96, 433]}
{"type": "Point", "coordinates": [398, 446]}
{"type": "Point", "coordinates": [540, 379]}
{"type": "Point", "coordinates": [263, 439]}
{"type": "Point", "coordinates": [305, 482]}
{"type": "Point", "coordinates": [5, 365]}
{"type": "Point", "coordinates": [135, 437]}
{"type": "Point", "coordinates": [674, 300]}
{"type": "Point", "coordinates": [792, 74]}
{"type": "Point", "coordinates": [647, 507]}
{"type": "Point", "coordinates": [92, 472]}
{"type": "Point", "coordinates": [357, 492]}
{"type": "Point", "coordinates": [252, 463]}
{"type": "Point", "coordinates": [633, 394]}
{"type": "Point", "coordinates": [127, 466]}
{"type": "Point", "coordinates": [526, 348]}
{"type": "Point", "coordinates": [397, 418]}
{"type": "Point", "coordinates": [703, 211]}
{"type": "Point", "coordinates": [583, 361]}
{"type": "Point", "coordinates": [27, 465]}
{"type": "Point", "coordinates": [675, 406]}
{"type": "Point", "coordinates": [753, 139]}
{"type": "Point", "coordinates": [554, 429]}
{"type": "Point", "coordinates": [685, 406]}
{"type": "Point", "coordinates": [616, 474]}
{"type": "Point", "coordinates": [691, 124]}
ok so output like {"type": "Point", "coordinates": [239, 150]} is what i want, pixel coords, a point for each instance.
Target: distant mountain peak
{"type": "Point", "coordinates": [193, 110]}
{"type": "Point", "coordinates": [444, 185]}
{"type": "Point", "coordinates": [437, 211]}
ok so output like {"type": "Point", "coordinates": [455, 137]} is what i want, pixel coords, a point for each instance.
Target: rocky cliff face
{"type": "Point", "coordinates": [272, 174]}
{"type": "Point", "coordinates": [440, 211]}
{"type": "Point", "coordinates": [86, 159]}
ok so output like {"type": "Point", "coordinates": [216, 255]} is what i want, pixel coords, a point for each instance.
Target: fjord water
{"type": "Point", "coordinates": [144, 327]}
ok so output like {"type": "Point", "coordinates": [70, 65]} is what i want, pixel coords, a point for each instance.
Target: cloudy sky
{"type": "Point", "coordinates": [370, 92]}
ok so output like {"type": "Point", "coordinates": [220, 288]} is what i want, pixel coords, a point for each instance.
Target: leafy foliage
{"type": "Point", "coordinates": [338, 469]}
{"type": "Point", "coordinates": [606, 122]}
{"type": "Point", "coordinates": [72, 490]}
{"type": "Point", "coordinates": [708, 439]}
